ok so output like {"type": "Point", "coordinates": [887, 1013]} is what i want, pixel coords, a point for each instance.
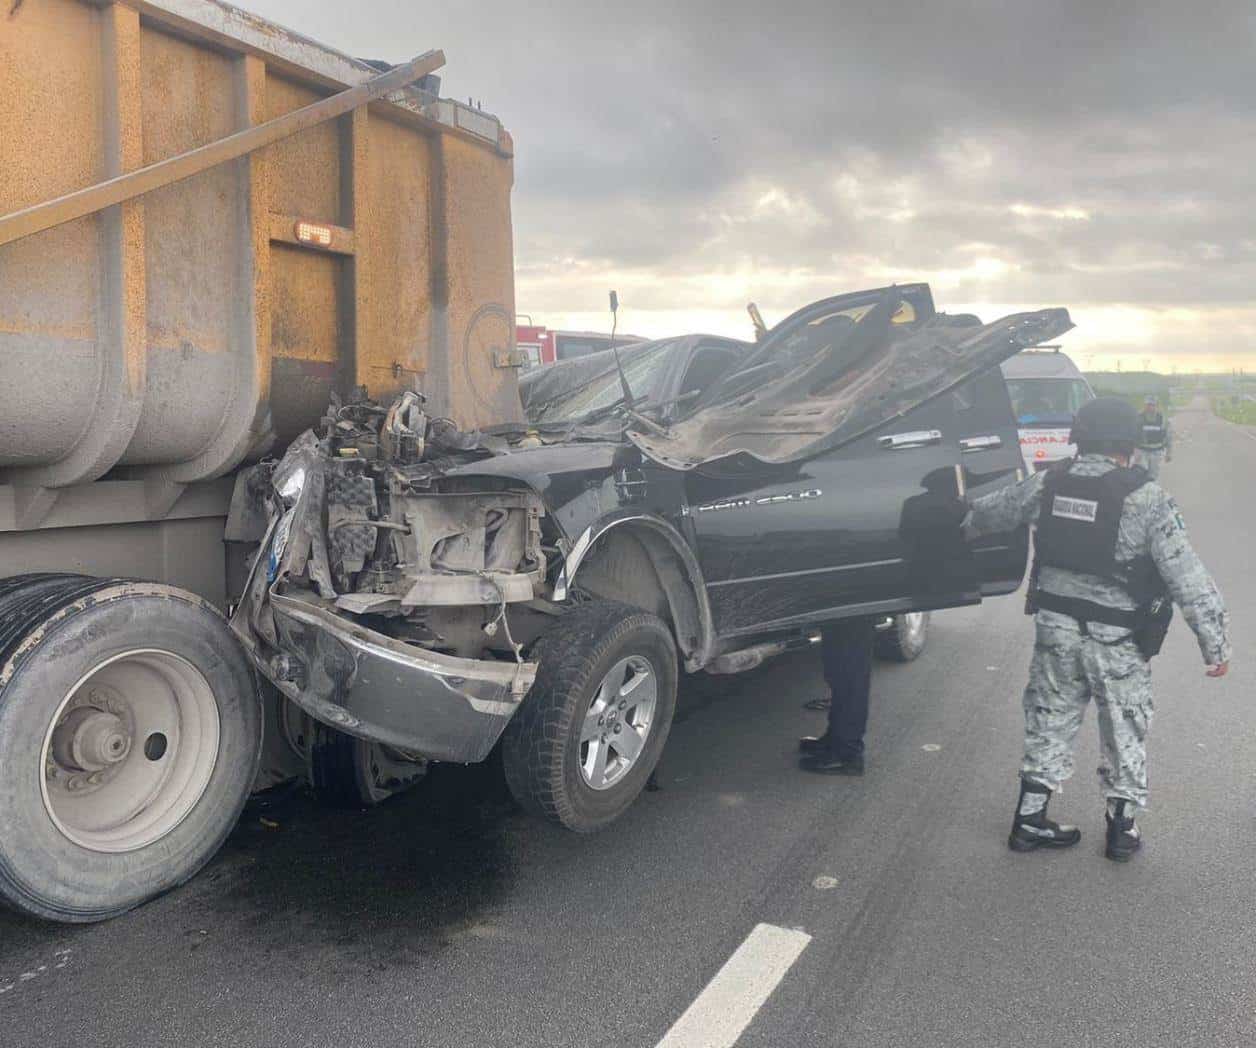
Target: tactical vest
{"type": "Point", "coordinates": [1078, 527]}
{"type": "Point", "coordinates": [1154, 433]}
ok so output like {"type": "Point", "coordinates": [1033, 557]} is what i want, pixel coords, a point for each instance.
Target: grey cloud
{"type": "Point", "coordinates": [644, 132]}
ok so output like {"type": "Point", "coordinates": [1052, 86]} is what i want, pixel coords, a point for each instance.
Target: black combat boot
{"type": "Point", "coordinates": [833, 763]}
{"type": "Point", "coordinates": [814, 744]}
{"type": "Point", "coordinates": [1123, 836]}
{"type": "Point", "coordinates": [1036, 830]}
{"type": "Point", "coordinates": [821, 756]}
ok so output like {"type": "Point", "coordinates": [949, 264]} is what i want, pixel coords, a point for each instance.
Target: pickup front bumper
{"type": "Point", "coordinates": [376, 687]}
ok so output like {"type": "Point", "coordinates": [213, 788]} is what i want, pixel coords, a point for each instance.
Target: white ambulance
{"type": "Point", "coordinates": [1046, 390]}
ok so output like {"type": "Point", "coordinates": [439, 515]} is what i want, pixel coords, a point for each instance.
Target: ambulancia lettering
{"type": "Point", "coordinates": [1075, 509]}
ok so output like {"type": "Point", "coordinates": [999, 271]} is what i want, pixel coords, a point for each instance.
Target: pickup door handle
{"type": "Point", "coordinates": [981, 443]}
{"type": "Point", "coordinates": [918, 439]}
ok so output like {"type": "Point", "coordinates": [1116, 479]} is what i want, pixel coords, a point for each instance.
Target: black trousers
{"type": "Point", "coordinates": [846, 651]}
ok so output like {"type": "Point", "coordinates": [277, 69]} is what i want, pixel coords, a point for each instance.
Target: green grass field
{"type": "Point", "coordinates": [1133, 386]}
{"type": "Point", "coordinates": [1233, 409]}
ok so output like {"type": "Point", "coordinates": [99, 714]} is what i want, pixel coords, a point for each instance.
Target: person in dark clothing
{"type": "Point", "coordinates": [846, 652]}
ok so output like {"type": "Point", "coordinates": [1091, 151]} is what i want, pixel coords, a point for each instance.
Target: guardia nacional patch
{"type": "Point", "coordinates": [1067, 508]}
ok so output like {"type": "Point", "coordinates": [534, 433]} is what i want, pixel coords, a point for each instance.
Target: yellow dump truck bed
{"type": "Point", "coordinates": [169, 338]}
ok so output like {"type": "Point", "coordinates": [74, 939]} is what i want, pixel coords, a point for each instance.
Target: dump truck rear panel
{"type": "Point", "coordinates": [183, 332]}
{"type": "Point", "coordinates": [208, 225]}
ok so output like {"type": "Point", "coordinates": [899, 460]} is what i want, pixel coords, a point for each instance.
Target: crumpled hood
{"type": "Point", "coordinates": [838, 369]}
{"type": "Point", "coordinates": [537, 465]}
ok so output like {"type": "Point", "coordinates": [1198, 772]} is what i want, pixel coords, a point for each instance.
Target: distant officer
{"type": "Point", "coordinates": [1155, 442]}
{"type": "Point", "coordinates": [1110, 553]}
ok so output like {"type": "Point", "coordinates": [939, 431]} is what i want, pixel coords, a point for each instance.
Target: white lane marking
{"type": "Point", "coordinates": [824, 883]}
{"type": "Point", "coordinates": [61, 959]}
{"type": "Point", "coordinates": [732, 999]}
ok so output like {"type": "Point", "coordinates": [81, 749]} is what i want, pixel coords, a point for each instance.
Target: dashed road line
{"type": "Point", "coordinates": [733, 998]}
{"type": "Point", "coordinates": [60, 959]}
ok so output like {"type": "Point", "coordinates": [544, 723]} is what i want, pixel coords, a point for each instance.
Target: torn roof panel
{"type": "Point", "coordinates": [838, 369]}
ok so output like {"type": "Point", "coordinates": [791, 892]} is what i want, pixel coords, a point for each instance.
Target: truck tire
{"type": "Point", "coordinates": [346, 772]}
{"type": "Point", "coordinates": [130, 734]}
{"type": "Point", "coordinates": [45, 580]}
{"type": "Point", "coordinates": [906, 638]}
{"type": "Point", "coordinates": [605, 670]}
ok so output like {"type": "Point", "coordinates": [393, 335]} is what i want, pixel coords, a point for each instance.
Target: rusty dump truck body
{"type": "Point", "coordinates": [152, 347]}
{"type": "Point", "coordinates": [211, 228]}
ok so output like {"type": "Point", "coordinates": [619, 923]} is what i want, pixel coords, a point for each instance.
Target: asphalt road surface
{"type": "Point", "coordinates": [447, 918]}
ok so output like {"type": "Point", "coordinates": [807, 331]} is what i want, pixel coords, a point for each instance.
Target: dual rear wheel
{"type": "Point", "coordinates": [130, 732]}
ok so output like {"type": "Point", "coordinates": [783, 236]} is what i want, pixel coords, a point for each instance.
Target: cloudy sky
{"type": "Point", "coordinates": [697, 155]}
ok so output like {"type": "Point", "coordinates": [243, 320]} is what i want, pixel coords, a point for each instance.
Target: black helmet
{"type": "Point", "coordinates": [1106, 421]}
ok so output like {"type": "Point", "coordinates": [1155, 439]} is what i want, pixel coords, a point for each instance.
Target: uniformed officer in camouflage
{"type": "Point", "coordinates": [1155, 441]}
{"type": "Point", "coordinates": [1095, 512]}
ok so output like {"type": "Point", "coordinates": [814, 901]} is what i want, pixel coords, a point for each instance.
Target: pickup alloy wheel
{"type": "Point", "coordinates": [618, 722]}
{"type": "Point", "coordinates": [592, 728]}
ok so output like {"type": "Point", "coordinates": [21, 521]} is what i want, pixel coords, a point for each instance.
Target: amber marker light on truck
{"type": "Point", "coordinates": [309, 233]}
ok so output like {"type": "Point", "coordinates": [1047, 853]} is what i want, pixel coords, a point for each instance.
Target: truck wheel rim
{"type": "Point", "coordinates": [130, 751]}
{"type": "Point", "coordinates": [618, 722]}
{"type": "Point", "coordinates": [913, 626]}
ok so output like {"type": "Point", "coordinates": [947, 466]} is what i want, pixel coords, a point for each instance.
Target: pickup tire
{"type": "Point", "coordinates": [605, 670]}
{"type": "Point", "coordinates": [130, 733]}
{"type": "Point", "coordinates": [906, 638]}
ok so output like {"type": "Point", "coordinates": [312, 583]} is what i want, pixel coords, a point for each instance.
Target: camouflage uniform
{"type": "Point", "coordinates": [1151, 459]}
{"type": "Point", "coordinates": [1069, 668]}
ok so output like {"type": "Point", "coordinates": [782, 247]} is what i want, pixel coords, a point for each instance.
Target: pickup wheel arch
{"type": "Point", "coordinates": [674, 565]}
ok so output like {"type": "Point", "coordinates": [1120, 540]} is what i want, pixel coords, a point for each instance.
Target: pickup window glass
{"type": "Point", "coordinates": [709, 364]}
{"type": "Point", "coordinates": [569, 348]}
{"type": "Point", "coordinates": [644, 367]}
{"type": "Point", "coordinates": [965, 396]}
{"type": "Point", "coordinates": [1047, 401]}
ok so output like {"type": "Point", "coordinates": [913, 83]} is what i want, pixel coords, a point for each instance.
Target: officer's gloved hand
{"type": "Point", "coordinates": [933, 512]}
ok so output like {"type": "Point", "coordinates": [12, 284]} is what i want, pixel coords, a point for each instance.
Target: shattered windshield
{"type": "Point", "coordinates": [644, 366]}
{"type": "Point", "coordinates": [1047, 401]}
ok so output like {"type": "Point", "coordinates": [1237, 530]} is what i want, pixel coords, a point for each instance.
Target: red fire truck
{"type": "Point", "coordinates": [543, 346]}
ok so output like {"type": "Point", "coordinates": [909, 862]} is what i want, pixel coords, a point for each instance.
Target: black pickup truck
{"type": "Point", "coordinates": [698, 504]}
